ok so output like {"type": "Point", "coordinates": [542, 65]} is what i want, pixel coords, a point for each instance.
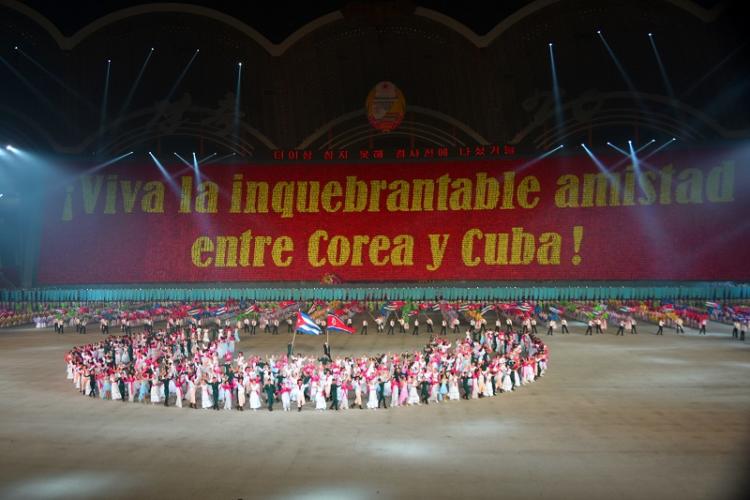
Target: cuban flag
{"type": "Point", "coordinates": [333, 322]}
{"type": "Point", "coordinates": [487, 309]}
{"type": "Point", "coordinates": [554, 310]}
{"type": "Point", "coordinates": [525, 307]}
{"type": "Point", "coordinates": [306, 325]}
{"type": "Point", "coordinates": [194, 312]}
{"type": "Point", "coordinates": [220, 311]}
{"type": "Point", "coordinates": [713, 305]}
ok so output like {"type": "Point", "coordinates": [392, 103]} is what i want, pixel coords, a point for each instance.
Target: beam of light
{"type": "Point", "coordinates": [662, 69]}
{"type": "Point", "coordinates": [206, 158]}
{"type": "Point", "coordinates": [38, 94]}
{"type": "Point", "coordinates": [196, 169]}
{"type": "Point", "coordinates": [602, 167]}
{"type": "Point", "coordinates": [634, 158]}
{"type": "Point", "coordinates": [220, 158]}
{"type": "Point", "coordinates": [713, 70]}
{"type": "Point", "coordinates": [95, 168]}
{"type": "Point", "coordinates": [167, 177]}
{"type": "Point", "coordinates": [135, 84]}
{"type": "Point", "coordinates": [105, 97]}
{"type": "Point", "coordinates": [107, 163]}
{"type": "Point", "coordinates": [55, 78]}
{"type": "Point", "coordinates": [618, 149]}
{"type": "Point", "coordinates": [556, 91]}
{"type": "Point", "coordinates": [620, 67]}
{"type": "Point", "coordinates": [237, 91]}
{"type": "Point", "coordinates": [180, 77]}
{"type": "Point", "coordinates": [645, 145]}
{"type": "Point", "coordinates": [183, 160]}
{"type": "Point", "coordinates": [539, 158]}
{"type": "Point", "coordinates": [660, 148]}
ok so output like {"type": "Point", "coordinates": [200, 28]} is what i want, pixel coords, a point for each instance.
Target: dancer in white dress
{"type": "Point", "coordinates": [206, 399]}
{"type": "Point", "coordinates": [155, 391]}
{"type": "Point", "coordinates": [394, 392]}
{"type": "Point", "coordinates": [255, 395]}
{"type": "Point", "coordinates": [372, 400]}
{"type": "Point", "coordinates": [320, 398]}
{"type": "Point", "coordinates": [453, 393]}
{"type": "Point", "coordinates": [413, 394]}
{"type": "Point", "coordinates": [116, 396]}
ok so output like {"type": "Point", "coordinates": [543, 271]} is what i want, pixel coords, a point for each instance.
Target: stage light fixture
{"type": "Point", "coordinates": [598, 32]}
{"type": "Point", "coordinates": [15, 48]}
{"type": "Point", "coordinates": [650, 34]}
{"type": "Point", "coordinates": [550, 44]}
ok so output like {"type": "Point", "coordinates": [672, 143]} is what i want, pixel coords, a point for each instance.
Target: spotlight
{"type": "Point", "coordinates": [9, 147]}
{"type": "Point", "coordinates": [197, 50]}
{"type": "Point", "coordinates": [550, 44]}
{"type": "Point", "coordinates": [239, 64]}
{"type": "Point", "coordinates": [15, 48]}
{"type": "Point", "coordinates": [598, 32]}
{"type": "Point", "coordinates": [152, 49]}
{"type": "Point", "coordinates": [109, 60]}
{"type": "Point", "coordinates": [674, 139]}
{"type": "Point", "coordinates": [650, 34]}
{"type": "Point", "coordinates": [1, 195]}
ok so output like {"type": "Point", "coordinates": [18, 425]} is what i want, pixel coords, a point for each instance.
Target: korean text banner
{"type": "Point", "coordinates": [681, 216]}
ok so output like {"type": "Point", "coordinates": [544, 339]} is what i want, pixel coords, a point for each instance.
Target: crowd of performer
{"type": "Point", "coordinates": [201, 368]}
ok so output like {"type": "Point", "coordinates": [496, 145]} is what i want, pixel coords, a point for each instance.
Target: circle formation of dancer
{"type": "Point", "coordinates": [179, 367]}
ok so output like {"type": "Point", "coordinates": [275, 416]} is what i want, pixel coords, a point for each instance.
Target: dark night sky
{"type": "Point", "coordinates": [277, 19]}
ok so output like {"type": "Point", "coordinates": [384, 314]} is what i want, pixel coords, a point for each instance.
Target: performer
{"type": "Point", "coordinates": [678, 325]}
{"type": "Point", "coordinates": [702, 331]}
{"type": "Point", "coordinates": [364, 327]}
{"type": "Point", "coordinates": [429, 325]}
{"type": "Point", "coordinates": [660, 331]}
{"type": "Point", "coordinates": [590, 328]}
{"type": "Point", "coordinates": [416, 327]}
{"type": "Point", "coordinates": [443, 327]}
{"type": "Point", "coordinates": [564, 325]}
{"type": "Point", "coordinates": [552, 327]}
{"type": "Point", "coordinates": [620, 328]}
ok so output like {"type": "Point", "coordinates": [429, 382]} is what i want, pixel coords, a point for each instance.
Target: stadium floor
{"type": "Point", "coordinates": [615, 417]}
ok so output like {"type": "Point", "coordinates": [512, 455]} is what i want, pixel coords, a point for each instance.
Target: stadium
{"type": "Point", "coordinates": [374, 237]}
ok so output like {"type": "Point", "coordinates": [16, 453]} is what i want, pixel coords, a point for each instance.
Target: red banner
{"type": "Point", "coordinates": [682, 216]}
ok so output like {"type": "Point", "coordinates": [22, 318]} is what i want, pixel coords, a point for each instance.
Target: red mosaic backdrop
{"type": "Point", "coordinates": [685, 217]}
